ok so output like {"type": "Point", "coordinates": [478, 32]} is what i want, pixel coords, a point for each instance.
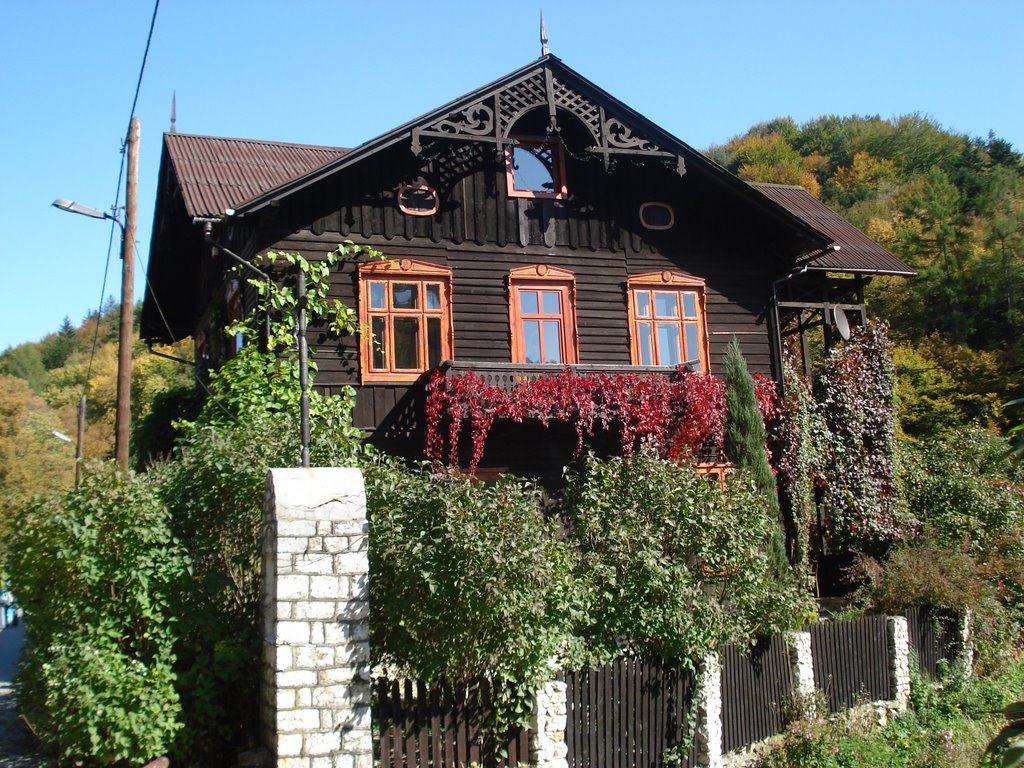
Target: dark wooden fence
{"type": "Point", "coordinates": [756, 684]}
{"type": "Point", "coordinates": [934, 636]}
{"type": "Point", "coordinates": [632, 713]}
{"type": "Point", "coordinates": [851, 661]}
{"type": "Point", "coordinates": [442, 726]}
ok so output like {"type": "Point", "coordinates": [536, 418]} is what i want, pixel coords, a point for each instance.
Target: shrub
{"type": "Point", "coordinates": [100, 575]}
{"type": "Point", "coordinates": [467, 578]}
{"type": "Point", "coordinates": [966, 487]}
{"type": "Point", "coordinates": [669, 563]}
{"type": "Point", "coordinates": [970, 549]}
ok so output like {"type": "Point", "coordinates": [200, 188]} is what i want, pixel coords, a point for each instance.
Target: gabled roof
{"type": "Point", "coordinates": [218, 173]}
{"type": "Point", "coordinates": [543, 81]}
{"type": "Point", "coordinates": [857, 252]}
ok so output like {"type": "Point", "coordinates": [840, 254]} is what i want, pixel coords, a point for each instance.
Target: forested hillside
{"type": "Point", "coordinates": [949, 205]}
{"type": "Point", "coordinates": [40, 386]}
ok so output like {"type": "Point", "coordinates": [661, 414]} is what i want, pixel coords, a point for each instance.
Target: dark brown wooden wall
{"type": "Point", "coordinates": [481, 233]}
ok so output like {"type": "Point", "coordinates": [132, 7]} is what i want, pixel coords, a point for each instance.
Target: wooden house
{"type": "Point", "coordinates": [534, 223]}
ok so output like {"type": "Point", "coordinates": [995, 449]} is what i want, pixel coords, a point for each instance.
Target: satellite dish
{"type": "Point", "coordinates": [841, 322]}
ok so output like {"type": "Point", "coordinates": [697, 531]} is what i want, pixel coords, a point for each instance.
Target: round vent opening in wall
{"type": "Point", "coordinates": [417, 200]}
{"type": "Point", "coordinates": [657, 216]}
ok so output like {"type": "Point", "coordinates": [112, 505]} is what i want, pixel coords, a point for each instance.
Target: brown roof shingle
{"type": "Point", "coordinates": [857, 252]}
{"type": "Point", "coordinates": [217, 173]}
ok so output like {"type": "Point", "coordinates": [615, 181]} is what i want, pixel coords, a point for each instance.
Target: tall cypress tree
{"type": "Point", "coordinates": [745, 446]}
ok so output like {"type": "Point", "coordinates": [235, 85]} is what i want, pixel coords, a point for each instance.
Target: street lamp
{"type": "Point", "coordinates": [73, 207]}
{"type": "Point", "coordinates": [124, 343]}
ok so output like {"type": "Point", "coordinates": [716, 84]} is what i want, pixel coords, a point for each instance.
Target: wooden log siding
{"type": "Point", "coordinates": [480, 306]}
{"type": "Point", "coordinates": [632, 713]}
{"type": "Point", "coordinates": [756, 685]}
{"type": "Point", "coordinates": [851, 661]}
{"type": "Point", "coordinates": [441, 725]}
{"type": "Point", "coordinates": [934, 636]}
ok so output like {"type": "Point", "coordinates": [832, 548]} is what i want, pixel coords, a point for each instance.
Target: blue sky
{"type": "Point", "coordinates": [340, 73]}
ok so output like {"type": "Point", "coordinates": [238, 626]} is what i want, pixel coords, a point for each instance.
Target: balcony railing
{"type": "Point", "coordinates": [506, 376]}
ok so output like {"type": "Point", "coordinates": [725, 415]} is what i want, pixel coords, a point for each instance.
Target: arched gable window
{"type": "Point", "coordinates": [667, 323]}
{"type": "Point", "coordinates": [535, 168]}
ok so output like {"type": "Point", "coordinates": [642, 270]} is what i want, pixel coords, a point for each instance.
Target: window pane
{"type": "Point", "coordinates": [528, 302]}
{"type": "Point", "coordinates": [690, 305]}
{"type": "Point", "coordinates": [533, 169]}
{"type": "Point", "coordinates": [645, 339]}
{"type": "Point", "coordinates": [552, 341]}
{"type": "Point", "coordinates": [404, 295]}
{"type": "Point", "coordinates": [433, 295]}
{"type": "Point", "coordinates": [531, 341]}
{"type": "Point", "coordinates": [377, 298]}
{"type": "Point", "coordinates": [643, 303]}
{"type": "Point", "coordinates": [656, 215]}
{"type": "Point", "coordinates": [668, 344]}
{"type": "Point", "coordinates": [418, 199]}
{"type": "Point", "coordinates": [433, 342]}
{"type": "Point", "coordinates": [692, 347]}
{"type": "Point", "coordinates": [407, 343]}
{"type": "Point", "coordinates": [551, 303]}
{"type": "Point", "coordinates": [379, 342]}
{"type": "Point", "coordinates": [666, 304]}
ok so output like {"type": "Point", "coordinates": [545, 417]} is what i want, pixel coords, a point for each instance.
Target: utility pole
{"type": "Point", "coordinates": [79, 444]}
{"type": "Point", "coordinates": [122, 430]}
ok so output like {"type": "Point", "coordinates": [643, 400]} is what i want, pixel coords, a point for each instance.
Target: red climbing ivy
{"type": "Point", "coordinates": [682, 415]}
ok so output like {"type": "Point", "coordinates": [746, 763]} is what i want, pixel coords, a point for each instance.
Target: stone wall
{"type": "Point", "coordinates": [315, 702]}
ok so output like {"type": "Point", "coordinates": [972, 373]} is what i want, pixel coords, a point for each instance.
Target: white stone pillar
{"type": "Point", "coordinates": [548, 748]}
{"type": "Point", "coordinates": [899, 661]}
{"type": "Point", "coordinates": [710, 736]}
{"type": "Point", "coordinates": [967, 642]}
{"type": "Point", "coordinates": [315, 697]}
{"type": "Point", "coordinates": [802, 664]}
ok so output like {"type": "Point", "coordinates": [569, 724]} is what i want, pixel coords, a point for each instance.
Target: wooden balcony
{"type": "Point", "coordinates": [506, 376]}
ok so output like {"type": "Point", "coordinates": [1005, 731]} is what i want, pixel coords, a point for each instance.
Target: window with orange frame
{"type": "Point", "coordinates": [542, 314]}
{"type": "Point", "coordinates": [406, 318]}
{"type": "Point", "coordinates": [667, 322]}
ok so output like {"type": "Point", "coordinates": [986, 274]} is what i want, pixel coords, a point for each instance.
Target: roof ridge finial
{"type": "Point", "coordinates": [174, 110]}
{"type": "Point", "coordinates": [543, 35]}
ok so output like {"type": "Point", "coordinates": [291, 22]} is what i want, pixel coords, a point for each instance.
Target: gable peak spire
{"type": "Point", "coordinates": [174, 111]}
{"type": "Point", "coordinates": [543, 36]}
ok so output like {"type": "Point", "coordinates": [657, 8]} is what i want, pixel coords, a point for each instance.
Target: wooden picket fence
{"type": "Point", "coordinates": [442, 725]}
{"type": "Point", "coordinates": [757, 684]}
{"type": "Point", "coordinates": [851, 661]}
{"type": "Point", "coordinates": [632, 713]}
{"type": "Point", "coordinates": [639, 713]}
{"type": "Point", "coordinates": [934, 636]}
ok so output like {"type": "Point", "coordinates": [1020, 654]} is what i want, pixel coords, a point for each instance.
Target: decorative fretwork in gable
{"type": "Point", "coordinates": [491, 118]}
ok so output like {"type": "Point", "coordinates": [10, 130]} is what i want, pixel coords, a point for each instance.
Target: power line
{"type": "Point", "coordinates": [117, 200]}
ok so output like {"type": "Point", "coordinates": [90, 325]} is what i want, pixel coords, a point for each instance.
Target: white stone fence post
{"type": "Point", "coordinates": [315, 697]}
{"type": "Point", "coordinates": [899, 661]}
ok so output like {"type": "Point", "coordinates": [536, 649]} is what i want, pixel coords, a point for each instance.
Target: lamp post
{"type": "Point", "coordinates": [122, 429]}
